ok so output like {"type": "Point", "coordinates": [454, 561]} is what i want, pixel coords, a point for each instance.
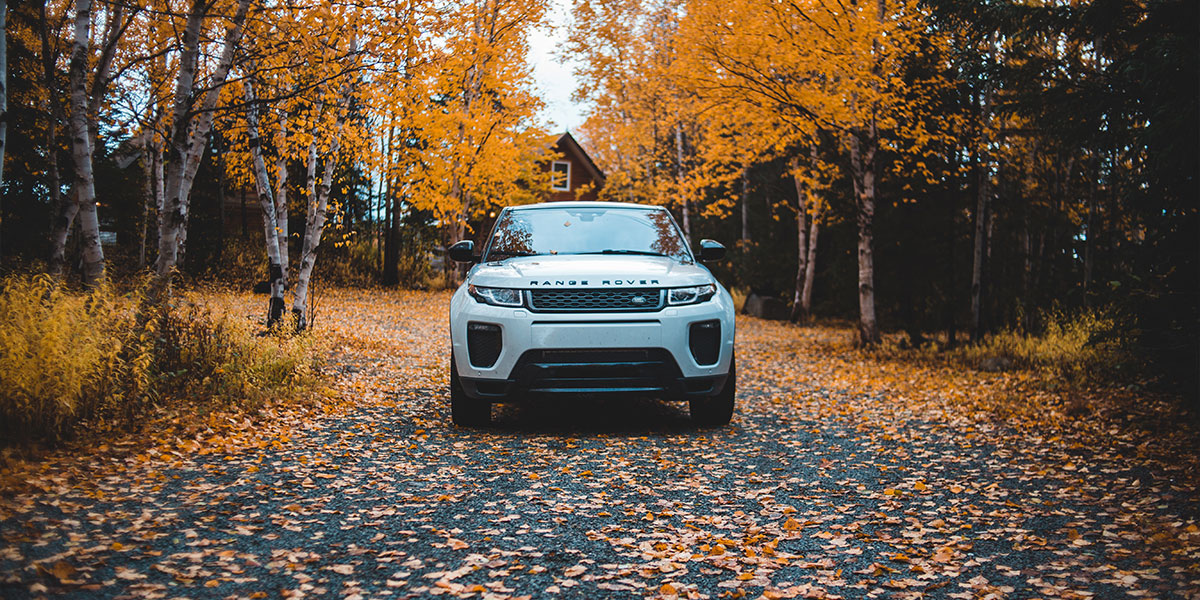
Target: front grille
{"type": "Point", "coordinates": [484, 342]}
{"type": "Point", "coordinates": [704, 340]}
{"type": "Point", "coordinates": [596, 300]}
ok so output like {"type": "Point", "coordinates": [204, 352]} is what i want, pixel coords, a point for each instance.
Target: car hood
{"type": "Point", "coordinates": [588, 271]}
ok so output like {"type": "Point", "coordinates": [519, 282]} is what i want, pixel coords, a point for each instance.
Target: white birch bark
{"type": "Point", "coordinates": [281, 198]}
{"type": "Point", "coordinates": [810, 266]}
{"type": "Point", "coordinates": [314, 226]}
{"type": "Point", "coordinates": [746, 205]}
{"type": "Point", "coordinates": [190, 130]}
{"type": "Point", "coordinates": [263, 186]}
{"type": "Point", "coordinates": [679, 174]}
{"type": "Point", "coordinates": [81, 148]}
{"type": "Point", "coordinates": [67, 210]}
{"type": "Point", "coordinates": [862, 165]}
{"type": "Point", "coordinates": [171, 212]}
{"type": "Point", "coordinates": [318, 206]}
{"type": "Point", "coordinates": [801, 241]}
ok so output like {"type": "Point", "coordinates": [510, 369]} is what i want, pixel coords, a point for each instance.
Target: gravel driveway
{"type": "Point", "coordinates": [823, 487]}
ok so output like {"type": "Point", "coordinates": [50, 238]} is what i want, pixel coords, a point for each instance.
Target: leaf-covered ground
{"type": "Point", "coordinates": [840, 477]}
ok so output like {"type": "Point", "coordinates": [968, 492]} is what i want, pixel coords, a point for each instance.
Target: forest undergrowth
{"type": "Point", "coordinates": [1079, 376]}
{"type": "Point", "coordinates": [89, 366]}
{"type": "Point", "coordinates": [82, 367]}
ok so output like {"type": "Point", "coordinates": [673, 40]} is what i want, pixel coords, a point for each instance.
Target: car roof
{"type": "Point", "coordinates": [574, 204]}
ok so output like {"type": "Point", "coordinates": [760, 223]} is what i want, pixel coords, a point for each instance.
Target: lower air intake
{"type": "Point", "coordinates": [704, 340]}
{"type": "Point", "coordinates": [484, 343]}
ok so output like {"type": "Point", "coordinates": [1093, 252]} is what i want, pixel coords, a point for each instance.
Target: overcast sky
{"type": "Point", "coordinates": [553, 78]}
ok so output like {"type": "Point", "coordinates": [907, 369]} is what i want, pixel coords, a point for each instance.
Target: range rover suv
{"type": "Point", "coordinates": [590, 297]}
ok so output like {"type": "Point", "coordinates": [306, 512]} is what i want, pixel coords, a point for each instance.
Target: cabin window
{"type": "Point", "coordinates": [560, 175]}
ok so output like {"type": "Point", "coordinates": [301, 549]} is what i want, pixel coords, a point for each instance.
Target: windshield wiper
{"type": "Point", "coordinates": [617, 251]}
{"type": "Point", "coordinates": [506, 255]}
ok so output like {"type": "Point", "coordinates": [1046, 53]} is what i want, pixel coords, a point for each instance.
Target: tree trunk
{"type": "Point", "coordinates": [391, 253]}
{"type": "Point", "coordinates": [190, 130]}
{"type": "Point", "coordinates": [63, 206]}
{"type": "Point", "coordinates": [317, 207]}
{"type": "Point", "coordinates": [81, 149]}
{"type": "Point", "coordinates": [100, 77]}
{"type": "Point", "coordinates": [1089, 242]}
{"type": "Point", "coordinates": [746, 205]}
{"type": "Point", "coordinates": [982, 219]}
{"type": "Point", "coordinates": [222, 186]}
{"type": "Point", "coordinates": [152, 170]}
{"type": "Point", "coordinates": [801, 241]}
{"type": "Point", "coordinates": [3, 109]}
{"type": "Point", "coordinates": [203, 125]}
{"type": "Point", "coordinates": [281, 199]}
{"type": "Point", "coordinates": [314, 225]}
{"type": "Point", "coordinates": [810, 265]}
{"type": "Point", "coordinates": [171, 213]}
{"type": "Point", "coordinates": [68, 208]}
{"type": "Point", "coordinates": [951, 302]}
{"type": "Point", "coordinates": [263, 186]}
{"type": "Point", "coordinates": [979, 255]}
{"type": "Point", "coordinates": [679, 174]}
{"type": "Point", "coordinates": [862, 165]}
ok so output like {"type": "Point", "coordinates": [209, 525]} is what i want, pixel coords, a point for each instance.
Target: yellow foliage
{"type": "Point", "coordinates": [1073, 348]}
{"type": "Point", "coordinates": [55, 348]}
{"type": "Point", "coordinates": [69, 358]}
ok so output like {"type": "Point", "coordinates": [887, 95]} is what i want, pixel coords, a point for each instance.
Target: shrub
{"type": "Point", "coordinates": [71, 359]}
{"type": "Point", "coordinates": [56, 351]}
{"type": "Point", "coordinates": [1073, 348]}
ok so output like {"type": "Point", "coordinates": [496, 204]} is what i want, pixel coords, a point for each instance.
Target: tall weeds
{"type": "Point", "coordinates": [1074, 349]}
{"type": "Point", "coordinates": [70, 360]}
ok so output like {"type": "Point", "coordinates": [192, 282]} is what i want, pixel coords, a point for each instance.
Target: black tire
{"type": "Point", "coordinates": [465, 411]}
{"type": "Point", "coordinates": [716, 410]}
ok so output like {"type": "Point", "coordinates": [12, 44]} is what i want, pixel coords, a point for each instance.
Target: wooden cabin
{"type": "Point", "coordinates": [571, 170]}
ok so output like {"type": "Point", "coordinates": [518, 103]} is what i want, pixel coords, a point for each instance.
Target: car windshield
{"type": "Point", "coordinates": [587, 230]}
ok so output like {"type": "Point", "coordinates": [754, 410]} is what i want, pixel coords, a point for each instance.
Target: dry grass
{"type": "Point", "coordinates": [74, 361]}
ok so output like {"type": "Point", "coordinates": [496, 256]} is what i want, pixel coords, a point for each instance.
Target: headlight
{"type": "Point", "coordinates": [691, 295]}
{"type": "Point", "coordinates": [496, 296]}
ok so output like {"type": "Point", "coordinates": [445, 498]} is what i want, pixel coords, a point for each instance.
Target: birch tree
{"type": "Point", "coordinates": [318, 201]}
{"type": "Point", "coordinates": [266, 199]}
{"type": "Point", "coordinates": [3, 107]}
{"type": "Point", "coordinates": [811, 178]}
{"type": "Point", "coordinates": [82, 147]}
{"type": "Point", "coordinates": [85, 98]}
{"type": "Point", "coordinates": [190, 126]}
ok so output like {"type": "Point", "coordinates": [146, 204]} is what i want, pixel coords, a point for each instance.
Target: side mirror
{"type": "Point", "coordinates": [463, 251]}
{"type": "Point", "coordinates": [711, 250]}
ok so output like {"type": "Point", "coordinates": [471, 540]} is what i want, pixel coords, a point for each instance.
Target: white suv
{"type": "Point", "coordinates": [590, 297]}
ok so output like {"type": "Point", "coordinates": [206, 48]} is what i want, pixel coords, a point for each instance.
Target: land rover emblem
{"type": "Point", "coordinates": [638, 300]}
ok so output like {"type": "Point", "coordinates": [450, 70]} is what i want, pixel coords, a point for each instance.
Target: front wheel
{"type": "Point", "coordinates": [466, 411]}
{"type": "Point", "coordinates": [717, 410]}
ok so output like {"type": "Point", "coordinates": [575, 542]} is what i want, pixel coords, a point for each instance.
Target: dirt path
{"type": "Point", "coordinates": [836, 479]}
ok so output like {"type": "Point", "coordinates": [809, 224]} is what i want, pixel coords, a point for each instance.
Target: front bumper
{"type": "Point", "coordinates": [634, 352]}
{"type": "Point", "coordinates": [579, 371]}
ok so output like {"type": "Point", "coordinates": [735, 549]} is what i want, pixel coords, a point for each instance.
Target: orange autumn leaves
{"type": "Point", "coordinates": [817, 490]}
